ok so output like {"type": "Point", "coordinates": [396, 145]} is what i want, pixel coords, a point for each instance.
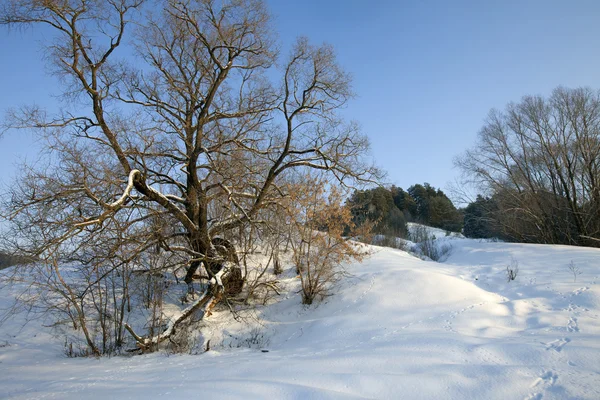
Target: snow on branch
{"type": "Point", "coordinates": [116, 205]}
{"type": "Point", "coordinates": [128, 189]}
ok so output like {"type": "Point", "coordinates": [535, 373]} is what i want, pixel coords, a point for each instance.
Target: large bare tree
{"type": "Point", "coordinates": [179, 125]}
{"type": "Point", "coordinates": [540, 159]}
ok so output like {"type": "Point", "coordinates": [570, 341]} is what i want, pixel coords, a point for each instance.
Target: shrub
{"type": "Point", "coordinates": [574, 270]}
{"type": "Point", "coordinates": [512, 270]}
{"type": "Point", "coordinates": [319, 255]}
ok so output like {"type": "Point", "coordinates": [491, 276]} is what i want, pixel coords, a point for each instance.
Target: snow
{"type": "Point", "coordinates": [431, 231]}
{"type": "Point", "coordinates": [400, 327]}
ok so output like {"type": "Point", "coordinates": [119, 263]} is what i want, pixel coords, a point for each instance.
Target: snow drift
{"type": "Point", "coordinates": [400, 327]}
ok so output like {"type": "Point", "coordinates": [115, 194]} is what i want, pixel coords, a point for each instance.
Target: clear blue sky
{"type": "Point", "coordinates": [426, 72]}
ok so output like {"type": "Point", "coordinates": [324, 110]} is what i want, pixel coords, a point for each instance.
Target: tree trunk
{"type": "Point", "coordinates": [233, 281]}
{"type": "Point", "coordinates": [206, 302]}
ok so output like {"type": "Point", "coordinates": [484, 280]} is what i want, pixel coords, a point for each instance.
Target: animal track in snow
{"type": "Point", "coordinates": [534, 396]}
{"type": "Point", "coordinates": [575, 310]}
{"type": "Point", "coordinates": [488, 357]}
{"type": "Point", "coordinates": [549, 377]}
{"type": "Point", "coordinates": [557, 344]}
{"type": "Point", "coordinates": [572, 325]}
{"type": "Point", "coordinates": [545, 380]}
{"type": "Point", "coordinates": [336, 312]}
{"type": "Point", "coordinates": [389, 335]}
{"type": "Point", "coordinates": [577, 292]}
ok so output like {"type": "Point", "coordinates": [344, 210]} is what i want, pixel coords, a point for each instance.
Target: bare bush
{"type": "Point", "coordinates": [512, 270]}
{"type": "Point", "coordinates": [428, 248]}
{"type": "Point", "coordinates": [418, 233]}
{"type": "Point", "coordinates": [320, 249]}
{"type": "Point", "coordinates": [256, 338]}
{"type": "Point", "coordinates": [76, 351]}
{"type": "Point", "coordinates": [277, 268]}
{"type": "Point", "coordinates": [427, 244]}
{"type": "Point", "coordinates": [261, 286]}
{"type": "Point", "coordinates": [444, 251]}
{"type": "Point", "coordinates": [574, 270]}
{"type": "Point", "coordinates": [390, 241]}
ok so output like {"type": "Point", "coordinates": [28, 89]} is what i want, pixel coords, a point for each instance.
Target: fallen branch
{"type": "Point", "coordinates": [145, 343]}
{"type": "Point", "coordinates": [271, 285]}
{"type": "Point", "coordinates": [589, 238]}
{"type": "Point", "coordinates": [205, 302]}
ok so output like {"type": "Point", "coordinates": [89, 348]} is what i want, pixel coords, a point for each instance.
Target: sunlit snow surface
{"type": "Point", "coordinates": [400, 328]}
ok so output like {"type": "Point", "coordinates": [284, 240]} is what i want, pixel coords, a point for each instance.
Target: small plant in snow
{"type": "Point", "coordinates": [427, 245]}
{"type": "Point", "coordinates": [512, 270]}
{"type": "Point", "coordinates": [574, 270]}
{"type": "Point", "coordinates": [418, 234]}
{"type": "Point", "coordinates": [390, 241]}
{"type": "Point", "coordinates": [73, 352]}
{"type": "Point", "coordinates": [277, 268]}
{"type": "Point", "coordinates": [430, 249]}
{"type": "Point", "coordinates": [444, 252]}
{"type": "Point", "coordinates": [256, 338]}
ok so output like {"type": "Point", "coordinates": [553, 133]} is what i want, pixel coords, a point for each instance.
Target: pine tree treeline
{"type": "Point", "coordinates": [480, 221]}
{"type": "Point", "coordinates": [8, 260]}
{"type": "Point", "coordinates": [392, 208]}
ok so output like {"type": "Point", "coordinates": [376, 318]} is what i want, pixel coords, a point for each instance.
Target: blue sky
{"type": "Point", "coordinates": [426, 72]}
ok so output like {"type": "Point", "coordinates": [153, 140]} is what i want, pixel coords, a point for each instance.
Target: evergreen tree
{"type": "Point", "coordinates": [421, 197]}
{"type": "Point", "coordinates": [434, 208]}
{"type": "Point", "coordinates": [391, 208]}
{"type": "Point", "coordinates": [404, 202]}
{"type": "Point", "coordinates": [479, 219]}
{"type": "Point", "coordinates": [378, 205]}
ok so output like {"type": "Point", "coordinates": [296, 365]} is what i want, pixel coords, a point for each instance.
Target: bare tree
{"type": "Point", "coordinates": [539, 161]}
{"type": "Point", "coordinates": [174, 135]}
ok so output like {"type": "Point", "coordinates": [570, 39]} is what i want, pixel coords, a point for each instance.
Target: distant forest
{"type": "Point", "coordinates": [492, 217]}
{"type": "Point", "coordinates": [389, 209]}
{"type": "Point", "coordinates": [7, 260]}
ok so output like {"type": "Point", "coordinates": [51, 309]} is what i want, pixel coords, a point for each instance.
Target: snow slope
{"type": "Point", "coordinates": [400, 328]}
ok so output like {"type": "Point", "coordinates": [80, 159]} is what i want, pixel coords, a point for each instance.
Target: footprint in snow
{"type": "Point", "coordinates": [546, 379]}
{"type": "Point", "coordinates": [557, 344]}
{"type": "Point", "coordinates": [572, 325]}
{"type": "Point", "coordinates": [549, 377]}
{"type": "Point", "coordinates": [577, 292]}
{"type": "Point", "coordinates": [534, 396]}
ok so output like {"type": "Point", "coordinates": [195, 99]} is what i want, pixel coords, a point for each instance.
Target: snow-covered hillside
{"type": "Point", "coordinates": [400, 328]}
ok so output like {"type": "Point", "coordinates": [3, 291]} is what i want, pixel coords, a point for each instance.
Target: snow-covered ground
{"type": "Point", "coordinates": [400, 328]}
{"type": "Point", "coordinates": [437, 233]}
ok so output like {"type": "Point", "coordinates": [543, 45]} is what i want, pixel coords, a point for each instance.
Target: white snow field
{"type": "Point", "coordinates": [401, 328]}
